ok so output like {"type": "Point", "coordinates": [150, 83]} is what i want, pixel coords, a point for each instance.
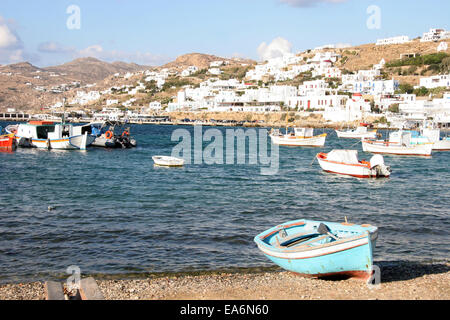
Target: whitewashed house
{"type": "Point", "coordinates": [190, 70]}
{"type": "Point", "coordinates": [435, 35]}
{"type": "Point", "coordinates": [355, 109]}
{"type": "Point", "coordinates": [155, 106]}
{"type": "Point", "coordinates": [215, 71]}
{"type": "Point", "coordinates": [392, 40]}
{"type": "Point", "coordinates": [435, 81]}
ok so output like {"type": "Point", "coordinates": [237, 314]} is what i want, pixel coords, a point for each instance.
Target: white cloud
{"type": "Point", "coordinates": [11, 46]}
{"type": "Point", "coordinates": [7, 38]}
{"type": "Point", "coordinates": [277, 48]}
{"type": "Point", "coordinates": [309, 3]}
{"type": "Point", "coordinates": [54, 47]}
{"type": "Point", "coordinates": [145, 58]}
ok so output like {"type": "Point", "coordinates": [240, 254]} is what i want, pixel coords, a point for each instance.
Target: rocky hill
{"type": "Point", "coordinates": [26, 87]}
{"type": "Point", "coordinates": [202, 61]}
{"type": "Point", "coordinates": [91, 69]}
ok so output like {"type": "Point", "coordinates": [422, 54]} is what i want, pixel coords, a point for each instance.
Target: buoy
{"type": "Point", "coordinates": [109, 135]}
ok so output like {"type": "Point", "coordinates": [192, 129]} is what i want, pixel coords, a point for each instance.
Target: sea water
{"type": "Point", "coordinates": [113, 213]}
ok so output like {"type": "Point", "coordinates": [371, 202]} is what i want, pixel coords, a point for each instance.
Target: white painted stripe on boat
{"type": "Point", "coordinates": [315, 252]}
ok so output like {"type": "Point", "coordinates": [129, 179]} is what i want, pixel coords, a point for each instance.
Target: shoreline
{"type": "Point", "coordinates": [400, 280]}
{"type": "Point", "coordinates": [245, 125]}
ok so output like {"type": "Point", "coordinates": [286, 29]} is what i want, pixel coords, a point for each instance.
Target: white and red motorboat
{"type": "Point", "coordinates": [346, 162]}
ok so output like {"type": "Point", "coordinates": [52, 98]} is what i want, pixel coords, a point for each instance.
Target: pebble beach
{"type": "Point", "coordinates": [399, 281]}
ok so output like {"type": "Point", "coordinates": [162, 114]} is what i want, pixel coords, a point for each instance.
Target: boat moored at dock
{"type": "Point", "coordinates": [8, 142]}
{"type": "Point", "coordinates": [320, 249]}
{"type": "Point", "coordinates": [50, 135]}
{"type": "Point", "coordinates": [106, 136]}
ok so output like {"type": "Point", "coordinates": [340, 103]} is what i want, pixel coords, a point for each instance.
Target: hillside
{"type": "Point", "coordinates": [91, 69]}
{"type": "Point", "coordinates": [20, 68]}
{"type": "Point", "coordinates": [367, 55]}
{"type": "Point", "coordinates": [27, 87]}
{"type": "Point", "coordinates": [202, 61]}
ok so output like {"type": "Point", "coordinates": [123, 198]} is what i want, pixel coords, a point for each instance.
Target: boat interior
{"type": "Point", "coordinates": [309, 236]}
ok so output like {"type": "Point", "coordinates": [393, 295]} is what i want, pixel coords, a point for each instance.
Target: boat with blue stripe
{"type": "Point", "coordinates": [321, 249]}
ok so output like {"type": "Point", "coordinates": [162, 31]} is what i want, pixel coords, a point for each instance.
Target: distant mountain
{"type": "Point", "coordinates": [22, 68]}
{"type": "Point", "coordinates": [92, 69]}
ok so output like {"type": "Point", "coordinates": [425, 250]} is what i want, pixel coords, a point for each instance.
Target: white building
{"type": "Point", "coordinates": [317, 102]}
{"type": "Point", "coordinates": [435, 35]}
{"type": "Point", "coordinates": [435, 81]}
{"type": "Point", "coordinates": [215, 71]}
{"type": "Point", "coordinates": [216, 64]}
{"type": "Point", "coordinates": [190, 70]}
{"type": "Point", "coordinates": [355, 109]}
{"type": "Point", "coordinates": [83, 97]}
{"type": "Point", "coordinates": [314, 87]}
{"type": "Point", "coordinates": [111, 102]}
{"type": "Point", "coordinates": [392, 40]}
{"type": "Point", "coordinates": [155, 106]}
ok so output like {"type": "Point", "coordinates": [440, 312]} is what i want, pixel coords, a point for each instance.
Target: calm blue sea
{"type": "Point", "coordinates": [116, 214]}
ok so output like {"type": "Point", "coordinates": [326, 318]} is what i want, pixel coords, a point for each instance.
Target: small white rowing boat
{"type": "Point", "coordinates": [165, 161]}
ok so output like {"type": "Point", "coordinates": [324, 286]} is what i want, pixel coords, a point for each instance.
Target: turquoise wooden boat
{"type": "Point", "coordinates": [320, 249]}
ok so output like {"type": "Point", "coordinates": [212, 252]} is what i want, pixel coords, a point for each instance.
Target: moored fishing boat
{"type": "Point", "coordinates": [165, 161]}
{"type": "Point", "coordinates": [401, 147]}
{"type": "Point", "coordinates": [300, 137]}
{"type": "Point", "coordinates": [360, 132]}
{"type": "Point", "coordinates": [8, 142]}
{"type": "Point", "coordinates": [50, 135]}
{"type": "Point", "coordinates": [346, 162]}
{"type": "Point", "coordinates": [106, 136]}
{"type": "Point", "coordinates": [320, 249]}
{"type": "Point", "coordinates": [434, 136]}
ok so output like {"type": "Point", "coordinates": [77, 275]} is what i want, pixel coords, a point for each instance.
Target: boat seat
{"type": "Point", "coordinates": [297, 237]}
{"type": "Point", "coordinates": [307, 242]}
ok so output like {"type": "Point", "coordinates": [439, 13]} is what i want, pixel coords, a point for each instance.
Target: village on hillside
{"type": "Point", "coordinates": [319, 82]}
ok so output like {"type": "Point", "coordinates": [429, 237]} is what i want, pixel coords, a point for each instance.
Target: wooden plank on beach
{"type": "Point", "coordinates": [89, 290]}
{"type": "Point", "coordinates": [54, 290]}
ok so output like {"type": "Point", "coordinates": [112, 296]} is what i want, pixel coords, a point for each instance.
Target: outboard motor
{"type": "Point", "coordinates": [377, 165]}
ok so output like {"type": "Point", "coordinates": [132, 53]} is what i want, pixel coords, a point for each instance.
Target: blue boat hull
{"type": "Point", "coordinates": [351, 257]}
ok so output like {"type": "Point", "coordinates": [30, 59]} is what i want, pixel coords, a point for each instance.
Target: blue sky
{"type": "Point", "coordinates": [154, 32]}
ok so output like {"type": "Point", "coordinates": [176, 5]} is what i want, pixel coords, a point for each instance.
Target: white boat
{"type": "Point", "coordinates": [165, 161]}
{"type": "Point", "coordinates": [434, 136]}
{"type": "Point", "coordinates": [428, 134]}
{"type": "Point", "coordinates": [299, 137]}
{"type": "Point", "coordinates": [346, 162]}
{"type": "Point", "coordinates": [358, 133]}
{"type": "Point", "coordinates": [49, 135]}
{"type": "Point", "coordinates": [401, 147]}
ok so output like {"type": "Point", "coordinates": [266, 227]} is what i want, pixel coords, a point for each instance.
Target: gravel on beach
{"type": "Point", "coordinates": [407, 281]}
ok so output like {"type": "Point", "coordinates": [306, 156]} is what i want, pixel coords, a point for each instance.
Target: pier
{"type": "Point", "coordinates": [15, 116]}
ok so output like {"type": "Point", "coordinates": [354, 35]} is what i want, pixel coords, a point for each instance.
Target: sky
{"type": "Point", "coordinates": [151, 32]}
